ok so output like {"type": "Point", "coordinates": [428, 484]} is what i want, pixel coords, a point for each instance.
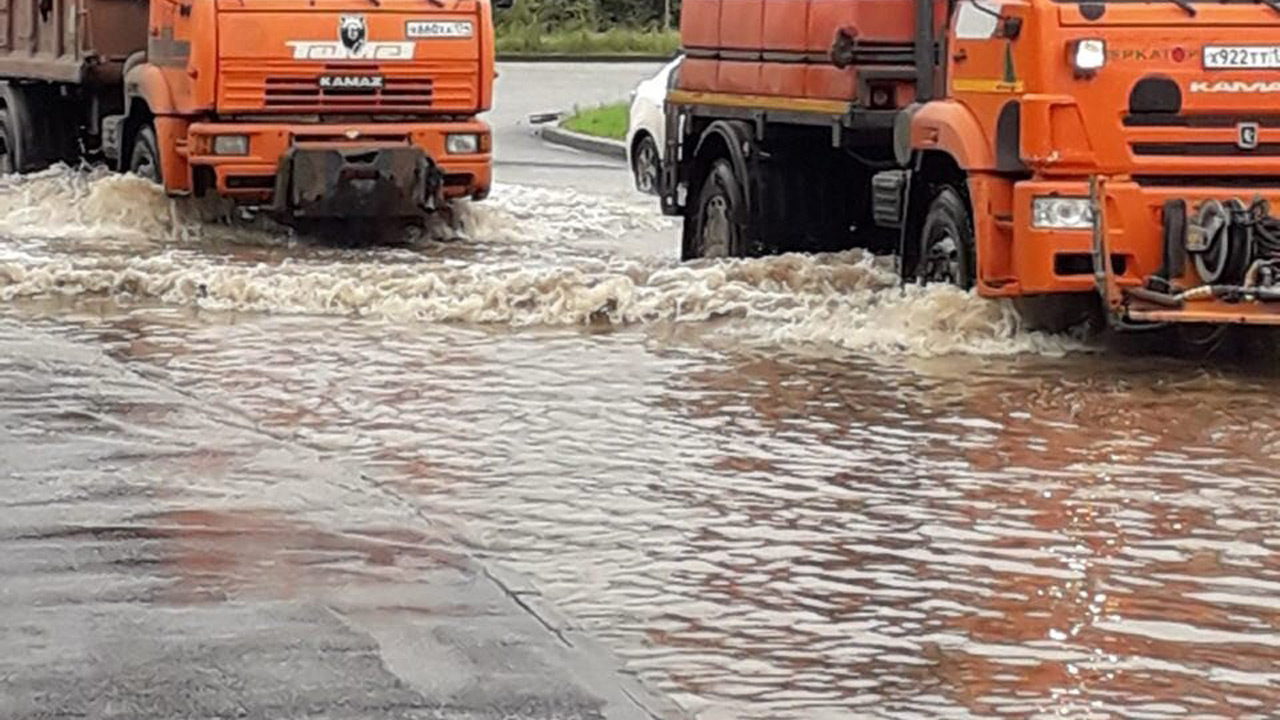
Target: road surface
{"type": "Point", "coordinates": [254, 475]}
{"type": "Point", "coordinates": [525, 89]}
{"type": "Point", "coordinates": [165, 558]}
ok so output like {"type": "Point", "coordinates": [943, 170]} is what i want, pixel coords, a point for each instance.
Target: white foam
{"type": "Point", "coordinates": [118, 237]}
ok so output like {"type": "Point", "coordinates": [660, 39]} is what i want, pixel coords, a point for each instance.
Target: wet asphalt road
{"type": "Point", "coordinates": [162, 557]}
{"type": "Point", "coordinates": [526, 89]}
{"type": "Point", "coordinates": [247, 474]}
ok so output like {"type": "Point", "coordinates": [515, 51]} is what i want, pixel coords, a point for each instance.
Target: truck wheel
{"type": "Point", "coordinates": [715, 231]}
{"type": "Point", "coordinates": [946, 241]}
{"type": "Point", "coordinates": [646, 165]}
{"type": "Point", "coordinates": [144, 161]}
{"type": "Point", "coordinates": [8, 162]}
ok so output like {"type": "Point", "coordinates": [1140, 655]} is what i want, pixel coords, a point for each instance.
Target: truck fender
{"type": "Point", "coordinates": [950, 127]}
{"type": "Point", "coordinates": [147, 82]}
{"type": "Point", "coordinates": [146, 95]}
{"type": "Point", "coordinates": [732, 138]}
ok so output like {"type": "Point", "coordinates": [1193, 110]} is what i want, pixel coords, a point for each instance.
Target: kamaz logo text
{"type": "Point", "coordinates": [351, 82]}
{"type": "Point", "coordinates": [1235, 86]}
{"type": "Point", "coordinates": [329, 51]}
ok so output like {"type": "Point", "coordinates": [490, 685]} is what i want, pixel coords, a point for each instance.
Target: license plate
{"type": "Point", "coordinates": [1242, 57]}
{"type": "Point", "coordinates": [419, 29]}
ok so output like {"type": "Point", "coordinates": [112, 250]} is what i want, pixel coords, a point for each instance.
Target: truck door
{"type": "Point", "coordinates": [169, 47]}
{"type": "Point", "coordinates": [982, 71]}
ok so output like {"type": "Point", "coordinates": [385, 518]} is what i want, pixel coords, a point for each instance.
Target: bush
{"type": "Point", "coordinates": [532, 40]}
{"type": "Point", "coordinates": [587, 26]}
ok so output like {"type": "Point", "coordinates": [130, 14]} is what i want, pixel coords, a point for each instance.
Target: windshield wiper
{"type": "Point", "coordinates": [1191, 9]}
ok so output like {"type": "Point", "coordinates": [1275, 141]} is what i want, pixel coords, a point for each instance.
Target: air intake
{"type": "Point", "coordinates": [1155, 95]}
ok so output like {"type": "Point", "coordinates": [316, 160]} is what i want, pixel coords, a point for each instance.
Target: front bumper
{"type": "Point", "coordinates": [371, 183]}
{"type": "Point", "coordinates": [390, 153]}
{"type": "Point", "coordinates": [1125, 256]}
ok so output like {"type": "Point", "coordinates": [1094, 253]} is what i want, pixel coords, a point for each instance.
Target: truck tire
{"type": "Point", "coordinates": [144, 160]}
{"type": "Point", "coordinates": [946, 241]}
{"type": "Point", "coordinates": [8, 148]}
{"type": "Point", "coordinates": [713, 230]}
{"type": "Point", "coordinates": [40, 127]}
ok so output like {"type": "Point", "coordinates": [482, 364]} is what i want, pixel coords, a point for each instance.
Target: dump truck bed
{"type": "Point", "coordinates": [71, 41]}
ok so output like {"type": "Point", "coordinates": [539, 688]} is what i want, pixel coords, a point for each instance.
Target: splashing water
{"type": "Point", "coordinates": [521, 263]}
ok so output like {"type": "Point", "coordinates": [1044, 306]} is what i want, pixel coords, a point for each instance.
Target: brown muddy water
{"type": "Point", "coordinates": [780, 488]}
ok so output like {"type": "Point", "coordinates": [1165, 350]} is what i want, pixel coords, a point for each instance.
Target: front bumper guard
{"type": "Point", "coordinates": [328, 183]}
{"type": "Point", "coordinates": [1175, 294]}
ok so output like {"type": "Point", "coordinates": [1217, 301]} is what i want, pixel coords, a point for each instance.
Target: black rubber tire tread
{"type": "Point", "coordinates": [951, 207]}
{"type": "Point", "coordinates": [42, 127]}
{"type": "Point", "coordinates": [9, 163]}
{"type": "Point", "coordinates": [720, 180]}
{"type": "Point", "coordinates": [146, 146]}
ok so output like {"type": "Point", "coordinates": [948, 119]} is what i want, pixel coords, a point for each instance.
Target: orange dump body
{"type": "Point", "coordinates": [700, 35]}
{"type": "Point", "coordinates": [69, 40]}
{"type": "Point", "coordinates": [783, 48]}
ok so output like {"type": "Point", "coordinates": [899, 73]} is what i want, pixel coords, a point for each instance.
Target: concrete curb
{"type": "Point", "coordinates": [600, 146]}
{"type": "Point", "coordinates": [583, 58]}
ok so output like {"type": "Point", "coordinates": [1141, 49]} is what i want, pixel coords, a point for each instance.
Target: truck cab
{"type": "Point", "coordinates": [1056, 152]}
{"type": "Point", "coordinates": [312, 108]}
{"type": "Point", "coordinates": [1105, 137]}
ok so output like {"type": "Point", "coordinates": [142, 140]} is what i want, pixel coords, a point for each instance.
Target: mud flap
{"type": "Point", "coordinates": [357, 182]}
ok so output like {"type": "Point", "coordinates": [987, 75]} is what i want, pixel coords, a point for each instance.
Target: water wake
{"type": "Point", "coordinates": [92, 234]}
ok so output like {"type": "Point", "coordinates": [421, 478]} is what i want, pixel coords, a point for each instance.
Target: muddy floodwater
{"type": "Point", "coordinates": [778, 488]}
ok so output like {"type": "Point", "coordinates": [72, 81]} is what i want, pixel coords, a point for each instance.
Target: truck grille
{"type": "Point", "coordinates": [1200, 137]}
{"type": "Point", "coordinates": [274, 86]}
{"type": "Point", "coordinates": [1207, 120]}
{"type": "Point", "coordinates": [1212, 181]}
{"type": "Point", "coordinates": [285, 93]}
{"type": "Point", "coordinates": [1203, 149]}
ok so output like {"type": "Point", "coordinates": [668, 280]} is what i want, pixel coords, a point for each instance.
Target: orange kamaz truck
{"type": "Point", "coordinates": [1114, 154]}
{"type": "Point", "coordinates": [312, 108]}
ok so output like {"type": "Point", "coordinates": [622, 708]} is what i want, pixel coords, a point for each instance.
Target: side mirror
{"type": "Point", "coordinates": [503, 4]}
{"type": "Point", "coordinates": [1010, 28]}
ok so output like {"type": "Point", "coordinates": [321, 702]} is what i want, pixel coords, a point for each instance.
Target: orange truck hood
{"type": "Point", "coordinates": [350, 57]}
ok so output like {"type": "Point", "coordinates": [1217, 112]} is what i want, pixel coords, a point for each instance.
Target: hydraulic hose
{"type": "Point", "coordinates": [1230, 293]}
{"type": "Point", "coordinates": [1156, 297]}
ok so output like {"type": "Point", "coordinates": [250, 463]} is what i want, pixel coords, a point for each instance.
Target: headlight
{"type": "Point", "coordinates": [462, 144]}
{"type": "Point", "coordinates": [1061, 213]}
{"type": "Point", "coordinates": [231, 145]}
{"type": "Point", "coordinates": [1089, 56]}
